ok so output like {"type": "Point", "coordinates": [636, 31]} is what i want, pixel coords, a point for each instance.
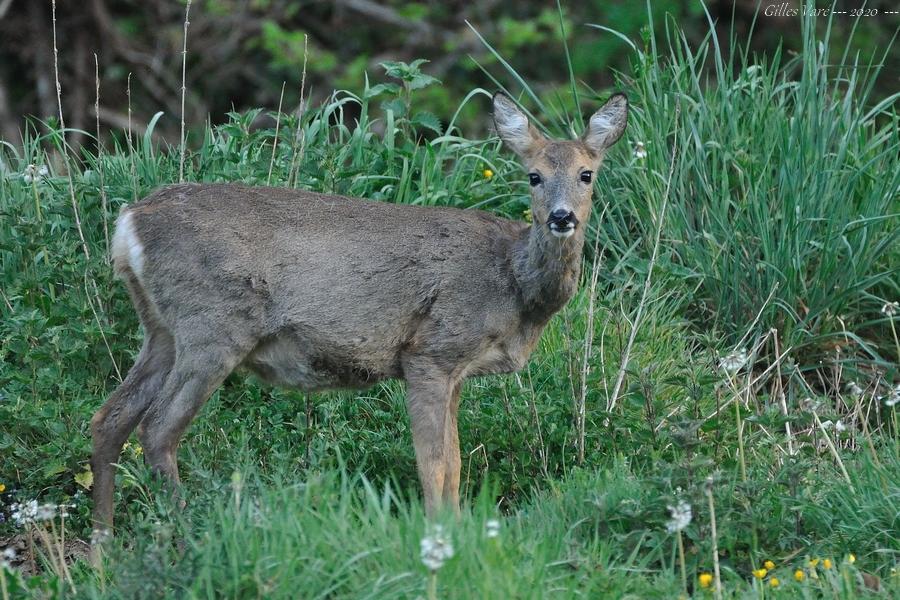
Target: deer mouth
{"type": "Point", "coordinates": [562, 223]}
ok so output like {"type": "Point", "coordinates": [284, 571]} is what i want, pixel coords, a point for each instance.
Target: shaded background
{"type": "Point", "coordinates": [240, 52]}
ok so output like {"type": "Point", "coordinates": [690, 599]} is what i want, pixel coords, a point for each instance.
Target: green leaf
{"type": "Point", "coordinates": [395, 106]}
{"type": "Point", "coordinates": [85, 479]}
{"type": "Point", "coordinates": [428, 121]}
{"type": "Point", "coordinates": [381, 88]}
{"type": "Point", "coordinates": [55, 468]}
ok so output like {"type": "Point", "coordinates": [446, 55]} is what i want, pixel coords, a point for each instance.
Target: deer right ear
{"type": "Point", "coordinates": [513, 126]}
{"type": "Point", "coordinates": [607, 125]}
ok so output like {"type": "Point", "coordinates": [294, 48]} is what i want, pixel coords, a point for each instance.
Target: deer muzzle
{"type": "Point", "coordinates": [562, 222]}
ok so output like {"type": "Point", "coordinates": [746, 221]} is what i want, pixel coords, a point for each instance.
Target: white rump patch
{"type": "Point", "coordinates": [126, 246]}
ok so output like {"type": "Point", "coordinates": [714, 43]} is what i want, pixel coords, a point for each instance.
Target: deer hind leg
{"type": "Point", "coordinates": [429, 399]}
{"type": "Point", "coordinates": [452, 462]}
{"type": "Point", "coordinates": [118, 417]}
{"type": "Point", "coordinates": [198, 370]}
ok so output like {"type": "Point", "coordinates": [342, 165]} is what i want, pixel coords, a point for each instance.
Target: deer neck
{"type": "Point", "coordinates": [546, 269]}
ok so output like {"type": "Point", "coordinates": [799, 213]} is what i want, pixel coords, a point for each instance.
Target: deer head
{"type": "Point", "coordinates": [561, 173]}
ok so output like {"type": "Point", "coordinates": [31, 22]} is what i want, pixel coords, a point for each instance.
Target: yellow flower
{"type": "Point", "coordinates": [774, 582]}
{"type": "Point", "coordinates": [799, 575]}
{"type": "Point", "coordinates": [527, 214]}
{"type": "Point", "coordinates": [2, 488]}
{"type": "Point", "coordinates": [705, 580]}
{"type": "Point", "coordinates": [769, 565]}
{"type": "Point", "coordinates": [813, 563]}
{"type": "Point", "coordinates": [487, 173]}
{"type": "Point", "coordinates": [851, 558]}
{"type": "Point", "coordinates": [760, 573]}
{"type": "Point", "coordinates": [138, 450]}
{"type": "Point", "coordinates": [826, 564]}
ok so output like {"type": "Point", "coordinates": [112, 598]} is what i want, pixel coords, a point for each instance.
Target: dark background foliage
{"type": "Point", "coordinates": [240, 52]}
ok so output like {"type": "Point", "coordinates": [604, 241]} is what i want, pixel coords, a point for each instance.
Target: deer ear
{"type": "Point", "coordinates": [606, 126]}
{"type": "Point", "coordinates": [513, 127]}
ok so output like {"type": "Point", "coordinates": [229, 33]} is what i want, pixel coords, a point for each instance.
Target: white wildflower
{"type": "Point", "coordinates": [98, 536]}
{"type": "Point", "coordinates": [854, 390]}
{"type": "Point", "coordinates": [435, 549]}
{"type": "Point", "coordinates": [893, 397]}
{"type": "Point", "coordinates": [839, 427]}
{"type": "Point", "coordinates": [6, 557]}
{"type": "Point", "coordinates": [681, 517]}
{"type": "Point", "coordinates": [640, 152]}
{"type": "Point", "coordinates": [810, 405]}
{"type": "Point", "coordinates": [31, 512]}
{"type": "Point", "coordinates": [492, 528]}
{"type": "Point", "coordinates": [890, 309]}
{"type": "Point", "coordinates": [735, 361]}
{"type": "Point", "coordinates": [826, 425]}
{"type": "Point", "coordinates": [35, 174]}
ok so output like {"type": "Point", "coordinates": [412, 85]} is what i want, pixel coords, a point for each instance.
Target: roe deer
{"type": "Point", "coordinates": [316, 291]}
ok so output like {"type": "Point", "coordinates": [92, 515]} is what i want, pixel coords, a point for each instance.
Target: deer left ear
{"type": "Point", "coordinates": [607, 125]}
{"type": "Point", "coordinates": [513, 126]}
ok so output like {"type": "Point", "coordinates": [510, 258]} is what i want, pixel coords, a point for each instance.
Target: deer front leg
{"type": "Point", "coordinates": [429, 396]}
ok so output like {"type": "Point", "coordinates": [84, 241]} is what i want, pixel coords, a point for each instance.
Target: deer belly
{"type": "Point", "coordinates": [496, 359]}
{"type": "Point", "coordinates": [286, 363]}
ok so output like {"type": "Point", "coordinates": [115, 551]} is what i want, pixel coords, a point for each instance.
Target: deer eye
{"type": "Point", "coordinates": [534, 179]}
{"type": "Point", "coordinates": [586, 176]}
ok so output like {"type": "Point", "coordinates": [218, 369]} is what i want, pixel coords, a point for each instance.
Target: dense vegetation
{"type": "Point", "coordinates": [761, 382]}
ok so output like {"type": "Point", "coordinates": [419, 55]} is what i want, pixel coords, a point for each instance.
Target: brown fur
{"type": "Point", "coordinates": [315, 292]}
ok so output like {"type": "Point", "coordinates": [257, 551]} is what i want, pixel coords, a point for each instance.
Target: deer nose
{"type": "Point", "coordinates": [562, 222]}
{"type": "Point", "coordinates": [561, 214]}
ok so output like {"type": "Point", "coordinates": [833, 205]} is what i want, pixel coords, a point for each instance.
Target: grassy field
{"type": "Point", "coordinates": [758, 356]}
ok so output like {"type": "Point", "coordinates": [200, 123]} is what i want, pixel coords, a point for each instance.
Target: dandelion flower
{"type": "Point", "coordinates": [492, 528]}
{"type": "Point", "coordinates": [760, 573]}
{"type": "Point", "coordinates": [640, 152]}
{"type": "Point", "coordinates": [705, 580]}
{"type": "Point", "coordinates": [840, 427]}
{"type": "Point", "coordinates": [735, 361]}
{"type": "Point", "coordinates": [773, 581]}
{"type": "Point", "coordinates": [435, 549]}
{"type": "Point", "coordinates": [799, 575]}
{"type": "Point", "coordinates": [890, 309]}
{"type": "Point", "coordinates": [2, 488]}
{"type": "Point", "coordinates": [851, 558]}
{"type": "Point", "coordinates": [769, 565]}
{"type": "Point", "coordinates": [487, 173]}
{"type": "Point", "coordinates": [813, 563]}
{"type": "Point", "coordinates": [826, 564]}
{"type": "Point", "coordinates": [681, 517]}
